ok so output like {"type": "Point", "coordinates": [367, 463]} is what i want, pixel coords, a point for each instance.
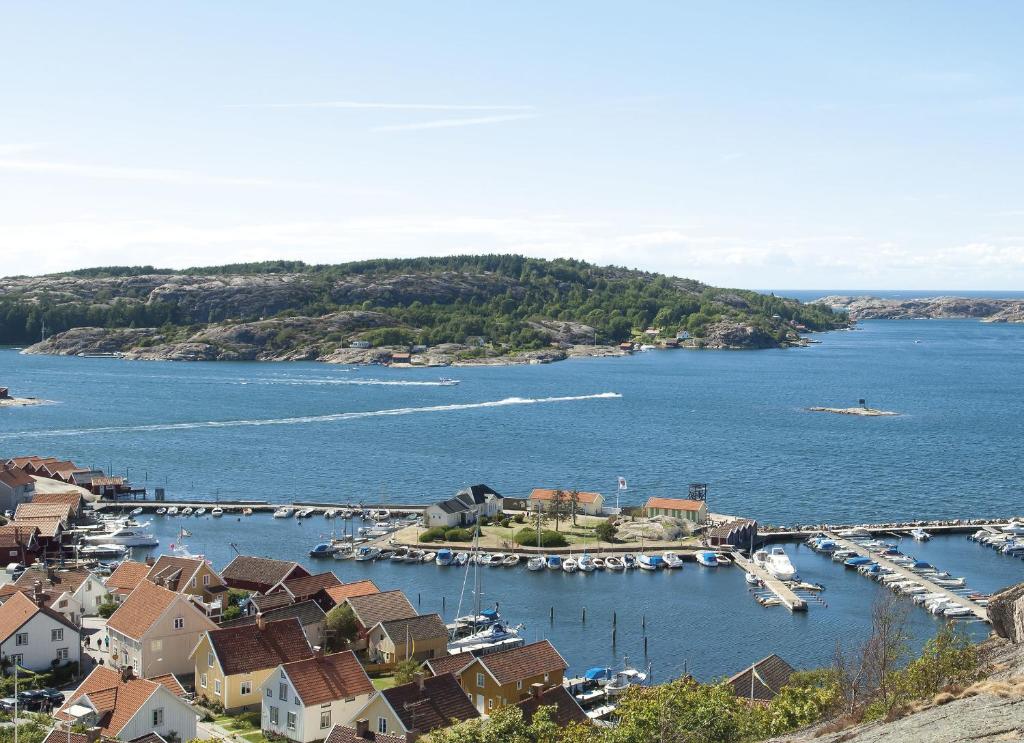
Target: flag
{"type": "Point", "coordinates": [622, 483]}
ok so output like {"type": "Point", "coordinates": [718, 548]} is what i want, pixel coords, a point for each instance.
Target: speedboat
{"type": "Point", "coordinates": [400, 555]}
{"type": "Point", "coordinates": [460, 559]}
{"type": "Point", "coordinates": [629, 561]}
{"type": "Point", "coordinates": [161, 511]}
{"type": "Point", "coordinates": [136, 511]}
{"type": "Point", "coordinates": [672, 560]}
{"type": "Point", "coordinates": [752, 580]}
{"type": "Point", "coordinates": [304, 513]}
{"type": "Point", "coordinates": [1014, 527]}
{"type": "Point", "coordinates": [330, 513]}
{"type": "Point", "coordinates": [857, 532]}
{"type": "Point", "coordinates": [554, 562]}
{"type": "Point", "coordinates": [723, 559]}
{"type": "Point", "coordinates": [510, 561]}
{"type": "Point", "coordinates": [324, 549]}
{"type": "Point", "coordinates": [613, 563]}
{"type": "Point", "coordinates": [414, 556]}
{"type": "Point", "coordinates": [570, 565]}
{"type": "Point", "coordinates": [710, 559]}
{"type": "Point", "coordinates": [920, 535]}
{"type": "Point", "coordinates": [621, 682]}
{"type": "Point", "coordinates": [284, 512]}
{"type": "Point", "coordinates": [186, 511]}
{"type": "Point", "coordinates": [103, 550]}
{"type": "Point", "coordinates": [496, 633]}
{"type": "Point", "coordinates": [172, 511]}
{"type": "Point", "coordinates": [201, 511]}
{"type": "Point", "coordinates": [649, 562]}
{"type": "Point", "coordinates": [535, 564]}
{"type": "Point", "coordinates": [381, 514]}
{"type": "Point", "coordinates": [586, 564]}
{"type": "Point", "coordinates": [127, 536]}
{"type": "Point", "coordinates": [386, 554]}
{"type": "Point", "coordinates": [365, 553]}
{"type": "Point", "coordinates": [343, 552]}
{"type": "Point", "coordinates": [428, 557]}
{"type": "Point", "coordinates": [599, 563]}
{"type": "Point", "coordinates": [778, 564]}
{"type": "Point", "coordinates": [447, 381]}
{"type": "Point", "coordinates": [495, 559]}
{"type": "Point", "coordinates": [217, 512]}
{"type": "Point", "coordinates": [444, 556]}
{"type": "Point", "coordinates": [247, 511]}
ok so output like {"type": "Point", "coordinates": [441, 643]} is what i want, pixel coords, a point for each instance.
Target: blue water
{"type": "Point", "coordinates": [809, 295]}
{"type": "Point", "coordinates": [736, 420]}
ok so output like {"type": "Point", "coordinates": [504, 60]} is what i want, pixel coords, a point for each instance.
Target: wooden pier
{"type": "Point", "coordinates": [782, 591]}
{"type": "Point", "coordinates": [979, 611]}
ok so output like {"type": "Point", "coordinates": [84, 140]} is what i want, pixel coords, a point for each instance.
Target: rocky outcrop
{"type": "Point", "coordinates": [95, 341]}
{"type": "Point", "coordinates": [735, 335]}
{"type": "Point", "coordinates": [874, 308]}
{"type": "Point", "coordinates": [1006, 611]}
{"type": "Point", "coordinates": [558, 331]}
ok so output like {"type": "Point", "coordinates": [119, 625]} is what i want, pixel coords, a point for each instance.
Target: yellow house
{"type": "Point", "coordinates": [231, 664]}
{"type": "Point", "coordinates": [678, 508]}
{"type": "Point", "coordinates": [418, 638]}
{"type": "Point", "coordinates": [192, 576]}
{"type": "Point", "coordinates": [503, 678]}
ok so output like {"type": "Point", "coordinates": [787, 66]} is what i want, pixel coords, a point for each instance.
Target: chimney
{"type": "Point", "coordinates": [92, 735]}
{"type": "Point", "coordinates": [412, 736]}
{"type": "Point", "coordinates": [261, 623]}
{"type": "Point", "coordinates": [536, 690]}
{"type": "Point", "coordinates": [320, 651]}
{"type": "Point", "coordinates": [51, 574]}
{"type": "Point", "coordinates": [362, 729]}
{"type": "Point", "coordinates": [37, 593]}
{"type": "Point", "coordinates": [150, 561]}
{"type": "Point", "coordinates": [419, 676]}
{"type": "Point", "coordinates": [127, 674]}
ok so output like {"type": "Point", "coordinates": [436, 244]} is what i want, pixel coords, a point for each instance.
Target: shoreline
{"type": "Point", "coordinates": [23, 402]}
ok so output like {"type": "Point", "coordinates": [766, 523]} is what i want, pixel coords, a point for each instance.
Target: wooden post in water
{"type": "Point", "coordinates": [584, 615]}
{"type": "Point", "coordinates": [552, 615]}
{"type": "Point", "coordinates": [614, 619]}
{"type": "Point", "coordinates": [442, 605]}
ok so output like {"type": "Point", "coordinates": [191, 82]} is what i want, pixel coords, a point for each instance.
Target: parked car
{"type": "Point", "coordinates": [53, 697]}
{"type": "Point", "coordinates": [32, 700]}
{"type": "Point", "coordinates": [7, 704]}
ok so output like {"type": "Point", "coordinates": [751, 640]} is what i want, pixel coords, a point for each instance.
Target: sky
{"type": "Point", "coordinates": [778, 145]}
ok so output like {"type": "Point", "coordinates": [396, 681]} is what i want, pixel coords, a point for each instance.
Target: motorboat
{"type": "Point", "coordinates": [304, 513]}
{"type": "Point", "coordinates": [629, 561]}
{"type": "Point", "coordinates": [386, 554]}
{"type": "Point", "coordinates": [186, 511]}
{"type": "Point", "coordinates": [778, 564]}
{"type": "Point", "coordinates": [957, 611]}
{"type": "Point", "coordinates": [136, 511]}
{"type": "Point", "coordinates": [447, 381]}
{"type": "Point", "coordinates": [857, 532]}
{"type": "Point", "coordinates": [330, 513]}
{"type": "Point", "coordinates": [857, 561]}
{"type": "Point", "coordinates": [460, 559]}
{"type": "Point", "coordinates": [217, 512]}
{"type": "Point", "coordinates": [365, 553]}
{"type": "Point", "coordinates": [428, 557]}
{"type": "Point", "coordinates": [672, 560]}
{"type": "Point", "coordinates": [710, 559]}
{"type": "Point", "coordinates": [623, 680]}
{"type": "Point", "coordinates": [414, 556]}
{"type": "Point", "coordinates": [722, 559]}
{"type": "Point", "coordinates": [586, 563]}
{"type": "Point", "coordinates": [399, 555]}
{"type": "Point", "coordinates": [614, 563]}
{"type": "Point", "coordinates": [172, 511]}
{"type": "Point", "coordinates": [103, 550]}
{"type": "Point", "coordinates": [127, 536]}
{"type": "Point", "coordinates": [201, 511]}
{"type": "Point", "coordinates": [823, 545]}
{"type": "Point", "coordinates": [510, 561]}
{"type": "Point", "coordinates": [495, 560]}
{"type": "Point", "coordinates": [324, 549]}
{"type": "Point", "coordinates": [535, 564]}
{"type": "Point", "coordinates": [497, 632]}
{"type": "Point", "coordinates": [343, 552]}
{"type": "Point", "coordinates": [346, 513]}
{"type": "Point", "coordinates": [570, 565]}
{"type": "Point", "coordinates": [599, 563]}
{"type": "Point", "coordinates": [751, 579]}
{"type": "Point", "coordinates": [920, 535]}
{"type": "Point", "coordinates": [554, 562]}
{"type": "Point", "coordinates": [284, 512]}
{"type": "Point", "coordinates": [161, 511]}
{"type": "Point", "coordinates": [649, 562]}
{"type": "Point", "coordinates": [444, 557]}
{"type": "Point", "coordinates": [1014, 527]}
{"type": "Point", "coordinates": [381, 514]}
{"type": "Point", "coordinates": [247, 511]}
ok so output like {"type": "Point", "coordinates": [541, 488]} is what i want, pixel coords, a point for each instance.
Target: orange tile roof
{"type": "Point", "coordinates": [42, 511]}
{"type": "Point", "coordinates": [65, 580]}
{"type": "Point", "coordinates": [549, 494]}
{"type": "Point", "coordinates": [177, 572]}
{"type": "Point", "coordinates": [18, 609]}
{"type": "Point", "coordinates": [117, 701]}
{"type": "Point", "coordinates": [14, 477]}
{"type": "Point", "coordinates": [327, 678]}
{"type": "Point", "coordinates": [171, 683]}
{"type": "Point", "coordinates": [70, 499]}
{"type": "Point", "coordinates": [141, 609]}
{"type": "Point", "coordinates": [17, 535]}
{"type": "Point", "coordinates": [675, 504]}
{"type": "Point", "coordinates": [48, 528]}
{"type": "Point", "coordinates": [127, 576]}
{"type": "Point", "coordinates": [247, 648]}
{"type": "Point", "coordinates": [345, 590]}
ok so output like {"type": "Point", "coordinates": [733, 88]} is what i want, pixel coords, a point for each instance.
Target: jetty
{"type": "Point", "coordinates": [782, 591]}
{"type": "Point", "coordinates": [979, 611]}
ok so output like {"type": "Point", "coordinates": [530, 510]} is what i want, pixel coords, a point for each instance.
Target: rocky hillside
{"type": "Point", "coordinates": [468, 308]}
{"type": "Point", "coordinates": [874, 308]}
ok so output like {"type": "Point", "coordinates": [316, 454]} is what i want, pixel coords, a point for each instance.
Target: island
{"type": "Point", "coordinates": [862, 411]}
{"type": "Point", "coordinates": [6, 401]}
{"type": "Point", "coordinates": [928, 308]}
{"type": "Point", "coordinates": [486, 309]}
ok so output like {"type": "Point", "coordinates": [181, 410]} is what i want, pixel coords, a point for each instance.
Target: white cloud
{"type": "Point", "coordinates": [153, 175]}
{"type": "Point", "coordinates": [374, 105]}
{"type": "Point", "coordinates": [448, 123]}
{"type": "Point", "coordinates": [16, 148]}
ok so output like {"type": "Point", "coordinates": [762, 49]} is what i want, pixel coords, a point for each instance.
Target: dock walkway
{"type": "Point", "coordinates": [979, 611]}
{"type": "Point", "coordinates": [785, 594]}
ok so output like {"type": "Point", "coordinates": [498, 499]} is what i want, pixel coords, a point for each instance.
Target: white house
{"type": "Point", "coordinates": [465, 508]}
{"type": "Point", "coordinates": [127, 708]}
{"type": "Point", "coordinates": [78, 588]}
{"type": "Point", "coordinates": [304, 699]}
{"type": "Point", "coordinates": [33, 636]}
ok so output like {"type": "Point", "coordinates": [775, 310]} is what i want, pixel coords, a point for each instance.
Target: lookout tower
{"type": "Point", "coordinates": [698, 491]}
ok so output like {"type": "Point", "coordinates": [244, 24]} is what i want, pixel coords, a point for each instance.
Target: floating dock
{"type": "Point", "coordinates": [979, 611]}
{"type": "Point", "coordinates": [783, 592]}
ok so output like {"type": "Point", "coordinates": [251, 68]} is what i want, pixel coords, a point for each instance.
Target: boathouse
{"type": "Point", "coordinates": [761, 682]}
{"type": "Point", "coordinates": [739, 533]}
{"type": "Point", "coordinates": [586, 503]}
{"type": "Point", "coordinates": [677, 508]}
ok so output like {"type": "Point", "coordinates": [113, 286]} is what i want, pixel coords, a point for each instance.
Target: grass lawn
{"type": "Point", "coordinates": [384, 682]}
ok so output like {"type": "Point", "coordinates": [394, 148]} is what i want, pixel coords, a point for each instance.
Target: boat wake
{"type": "Point", "coordinates": [357, 382]}
{"type": "Point", "coordinates": [330, 417]}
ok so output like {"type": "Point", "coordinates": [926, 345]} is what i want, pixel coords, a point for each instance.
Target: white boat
{"type": "Point", "coordinates": [444, 557]}
{"type": "Point", "coordinates": [460, 559]}
{"type": "Point", "coordinates": [599, 563]}
{"type": "Point", "coordinates": [710, 560]}
{"type": "Point", "coordinates": [201, 511]}
{"type": "Point", "coordinates": [126, 536]}
{"type": "Point", "coordinates": [414, 556]}
{"type": "Point", "coordinates": [247, 511]}
{"type": "Point", "coordinates": [172, 511]}
{"type": "Point", "coordinates": [381, 514]}
{"type": "Point", "coordinates": [103, 550]}
{"type": "Point", "coordinates": [621, 682]}
{"type": "Point", "coordinates": [346, 513]}
{"type": "Point", "coordinates": [672, 560]}
{"type": "Point", "coordinates": [778, 564]}
{"type": "Point", "coordinates": [535, 564]}
{"type": "Point", "coordinates": [186, 511]}
{"type": "Point", "coordinates": [920, 535]}
{"type": "Point", "coordinates": [586, 564]}
{"type": "Point", "coordinates": [569, 565]}
{"type": "Point", "coordinates": [284, 512]}
{"type": "Point", "coordinates": [217, 512]}
{"type": "Point", "coordinates": [304, 513]}
{"type": "Point", "coordinates": [344, 552]}
{"type": "Point", "coordinates": [649, 562]}
{"type": "Point", "coordinates": [161, 511]}
{"type": "Point", "coordinates": [1014, 527]}
{"type": "Point", "coordinates": [510, 561]}
{"type": "Point", "coordinates": [614, 563]}
{"type": "Point", "coordinates": [136, 511]}
{"type": "Point", "coordinates": [497, 633]}
{"type": "Point", "coordinates": [400, 555]}
{"type": "Point", "coordinates": [428, 557]}
{"type": "Point", "coordinates": [752, 580]}
{"type": "Point", "coordinates": [366, 553]}
{"type": "Point", "coordinates": [495, 560]}
{"type": "Point", "coordinates": [857, 532]}
{"type": "Point", "coordinates": [330, 513]}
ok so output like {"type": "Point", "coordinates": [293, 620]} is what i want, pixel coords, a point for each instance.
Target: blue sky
{"type": "Point", "coordinates": [762, 145]}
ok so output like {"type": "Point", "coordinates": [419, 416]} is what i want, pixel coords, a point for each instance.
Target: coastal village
{"type": "Point", "coordinates": [102, 646]}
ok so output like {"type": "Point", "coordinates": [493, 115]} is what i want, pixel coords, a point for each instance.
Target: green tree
{"type": "Point", "coordinates": [405, 671]}
{"type": "Point", "coordinates": [605, 531]}
{"type": "Point", "coordinates": [341, 627]}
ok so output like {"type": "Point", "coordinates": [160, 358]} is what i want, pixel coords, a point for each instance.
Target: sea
{"type": "Point", "coordinates": [735, 420]}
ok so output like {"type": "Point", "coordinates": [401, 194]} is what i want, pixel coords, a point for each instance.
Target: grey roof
{"type": "Point", "coordinates": [763, 680]}
{"type": "Point", "coordinates": [423, 627]}
{"type": "Point", "coordinates": [454, 505]}
{"type": "Point", "coordinates": [478, 493]}
{"type": "Point", "coordinates": [307, 612]}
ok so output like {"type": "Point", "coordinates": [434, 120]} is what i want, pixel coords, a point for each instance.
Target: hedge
{"type": "Point", "coordinates": [458, 535]}
{"type": "Point", "coordinates": [548, 538]}
{"type": "Point", "coordinates": [433, 534]}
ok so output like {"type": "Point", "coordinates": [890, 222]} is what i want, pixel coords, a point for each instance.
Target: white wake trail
{"type": "Point", "coordinates": [307, 418]}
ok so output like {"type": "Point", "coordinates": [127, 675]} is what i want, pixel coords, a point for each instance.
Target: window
{"type": "Point", "coordinates": [490, 704]}
{"type": "Point", "coordinates": [325, 720]}
{"type": "Point", "coordinates": [156, 645]}
{"type": "Point", "coordinates": [202, 680]}
{"type": "Point", "coordinates": [291, 720]}
{"type": "Point", "coordinates": [135, 664]}
{"type": "Point", "coordinates": [21, 638]}
{"type": "Point", "coordinates": [282, 692]}
{"type": "Point", "coordinates": [382, 725]}
{"type": "Point", "coordinates": [17, 659]}
{"type": "Point", "coordinates": [88, 586]}
{"type": "Point", "coordinates": [545, 678]}
{"type": "Point", "coordinates": [246, 687]}
{"type": "Point", "coordinates": [206, 580]}
{"type": "Point", "coordinates": [480, 681]}
{"type": "Point", "coordinates": [216, 686]}
{"type": "Point", "coordinates": [56, 635]}
{"type": "Point", "coordinates": [193, 581]}
{"type": "Point", "coordinates": [209, 659]}
{"type": "Point", "coordinates": [273, 715]}
{"type": "Point", "coordinates": [62, 653]}
{"type": "Point", "coordinates": [179, 623]}
{"type": "Point", "coordinates": [63, 604]}
{"type": "Point", "coordinates": [270, 693]}
{"type": "Point", "coordinates": [519, 685]}
{"type": "Point", "coordinates": [158, 717]}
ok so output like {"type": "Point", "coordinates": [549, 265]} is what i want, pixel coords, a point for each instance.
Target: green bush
{"type": "Point", "coordinates": [527, 536]}
{"type": "Point", "coordinates": [605, 531]}
{"type": "Point", "coordinates": [485, 520]}
{"type": "Point", "coordinates": [106, 609]}
{"type": "Point", "coordinates": [519, 518]}
{"type": "Point", "coordinates": [458, 535]}
{"type": "Point", "coordinates": [433, 534]}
